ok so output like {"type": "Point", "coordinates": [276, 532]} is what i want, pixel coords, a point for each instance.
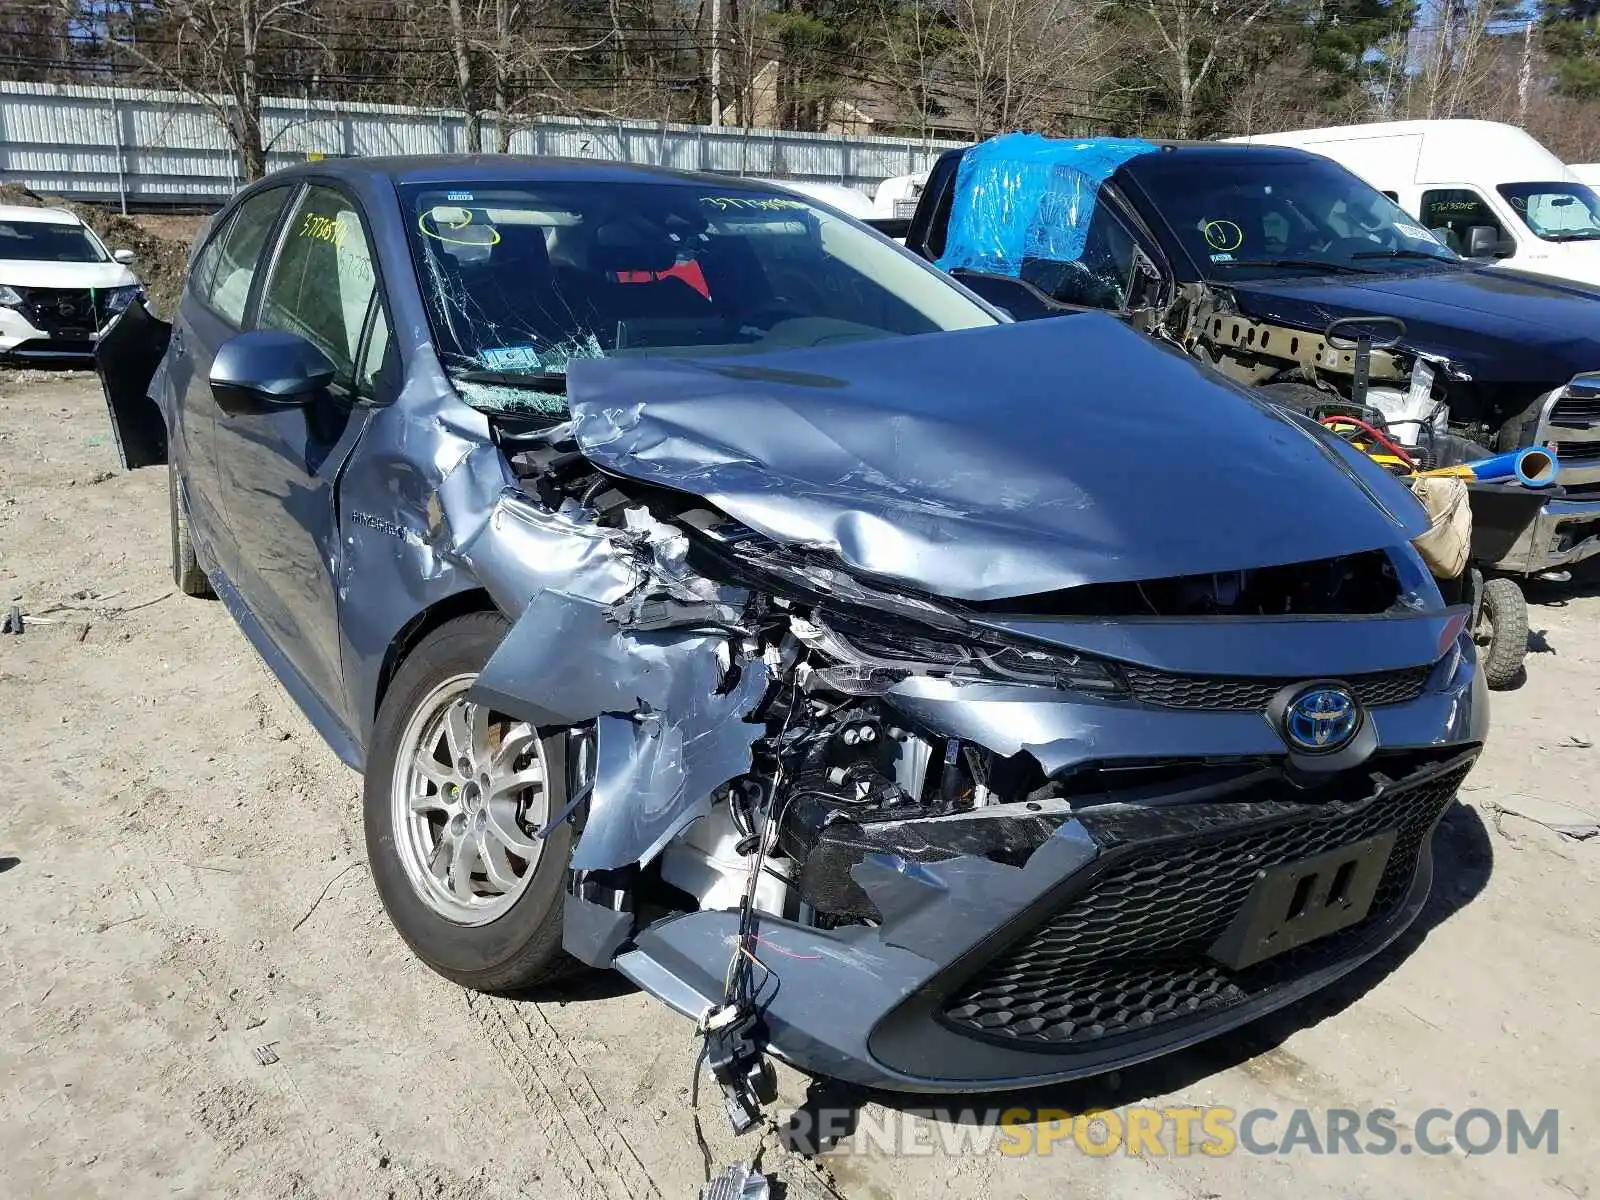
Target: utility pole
{"type": "Point", "coordinates": [716, 63]}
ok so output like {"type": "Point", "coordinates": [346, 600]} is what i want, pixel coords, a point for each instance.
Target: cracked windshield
{"type": "Point", "coordinates": [522, 279]}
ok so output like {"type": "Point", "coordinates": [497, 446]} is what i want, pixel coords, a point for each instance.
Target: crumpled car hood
{"type": "Point", "coordinates": [995, 462]}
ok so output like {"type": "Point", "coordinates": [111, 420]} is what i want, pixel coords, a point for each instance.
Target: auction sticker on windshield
{"type": "Point", "coordinates": [510, 358]}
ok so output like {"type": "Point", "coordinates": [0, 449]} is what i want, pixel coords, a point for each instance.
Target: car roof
{"type": "Point", "coordinates": [483, 168]}
{"type": "Point", "coordinates": [26, 212]}
{"type": "Point", "coordinates": [1213, 152]}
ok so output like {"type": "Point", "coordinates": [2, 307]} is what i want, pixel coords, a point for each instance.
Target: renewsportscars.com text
{"type": "Point", "coordinates": [1213, 1131]}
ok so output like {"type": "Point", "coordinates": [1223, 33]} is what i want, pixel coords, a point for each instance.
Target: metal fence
{"type": "Point", "coordinates": [154, 147]}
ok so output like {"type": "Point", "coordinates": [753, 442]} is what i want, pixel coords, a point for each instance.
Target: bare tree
{"type": "Point", "coordinates": [744, 56]}
{"type": "Point", "coordinates": [1034, 64]}
{"type": "Point", "coordinates": [908, 39]}
{"type": "Point", "coordinates": [1460, 57]}
{"type": "Point", "coordinates": [214, 52]}
{"type": "Point", "coordinates": [466, 92]}
{"type": "Point", "coordinates": [1197, 36]}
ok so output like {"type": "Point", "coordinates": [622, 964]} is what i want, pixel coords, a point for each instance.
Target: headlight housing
{"type": "Point", "coordinates": [870, 656]}
{"type": "Point", "coordinates": [9, 296]}
{"type": "Point", "coordinates": [114, 300]}
{"type": "Point", "coordinates": [874, 635]}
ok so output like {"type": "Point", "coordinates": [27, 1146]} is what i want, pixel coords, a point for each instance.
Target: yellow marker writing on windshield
{"type": "Point", "coordinates": [492, 240]}
{"type": "Point", "coordinates": [1223, 235]}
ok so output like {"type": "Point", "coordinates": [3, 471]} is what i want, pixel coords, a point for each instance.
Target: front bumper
{"type": "Point", "coordinates": [1091, 956]}
{"type": "Point", "coordinates": [1525, 534]}
{"type": "Point", "coordinates": [20, 339]}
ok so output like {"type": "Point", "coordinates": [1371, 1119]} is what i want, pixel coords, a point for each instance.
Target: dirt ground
{"type": "Point", "coordinates": [181, 882]}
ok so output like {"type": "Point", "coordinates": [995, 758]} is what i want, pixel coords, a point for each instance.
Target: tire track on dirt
{"type": "Point", "coordinates": [586, 1140]}
{"type": "Point", "coordinates": [589, 1148]}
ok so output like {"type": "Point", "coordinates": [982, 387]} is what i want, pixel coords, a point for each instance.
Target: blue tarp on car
{"type": "Point", "coordinates": [1021, 196]}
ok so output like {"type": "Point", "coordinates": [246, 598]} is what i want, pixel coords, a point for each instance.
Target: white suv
{"type": "Point", "coordinates": [59, 286]}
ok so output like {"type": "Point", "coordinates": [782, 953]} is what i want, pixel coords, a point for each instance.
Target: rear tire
{"type": "Point", "coordinates": [186, 570]}
{"type": "Point", "coordinates": [1501, 632]}
{"type": "Point", "coordinates": [496, 926]}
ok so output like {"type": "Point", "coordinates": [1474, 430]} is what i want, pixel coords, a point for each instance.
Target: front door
{"type": "Point", "coordinates": [211, 311]}
{"type": "Point", "coordinates": [279, 467]}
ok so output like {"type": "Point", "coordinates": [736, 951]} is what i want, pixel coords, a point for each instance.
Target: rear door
{"type": "Point", "coordinates": [279, 468]}
{"type": "Point", "coordinates": [212, 310]}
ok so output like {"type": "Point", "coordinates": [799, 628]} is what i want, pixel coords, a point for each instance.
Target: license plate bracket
{"type": "Point", "coordinates": [1298, 902]}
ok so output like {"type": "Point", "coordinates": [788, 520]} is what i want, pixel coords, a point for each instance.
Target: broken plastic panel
{"type": "Point", "coordinates": [669, 708]}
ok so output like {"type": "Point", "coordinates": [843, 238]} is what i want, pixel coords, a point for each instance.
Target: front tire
{"type": "Point", "coordinates": [1501, 632]}
{"type": "Point", "coordinates": [453, 794]}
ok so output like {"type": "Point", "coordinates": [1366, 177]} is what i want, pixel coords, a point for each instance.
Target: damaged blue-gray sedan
{"type": "Point", "coordinates": [709, 589]}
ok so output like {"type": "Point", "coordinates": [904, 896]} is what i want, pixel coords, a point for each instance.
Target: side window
{"type": "Point", "coordinates": [375, 359]}
{"type": "Point", "coordinates": [202, 272]}
{"type": "Point", "coordinates": [322, 283]}
{"type": "Point", "coordinates": [1101, 277]}
{"type": "Point", "coordinates": [239, 250]}
{"type": "Point", "coordinates": [1452, 214]}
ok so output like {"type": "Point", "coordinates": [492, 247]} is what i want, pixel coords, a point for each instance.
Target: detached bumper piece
{"type": "Point", "coordinates": [1146, 941]}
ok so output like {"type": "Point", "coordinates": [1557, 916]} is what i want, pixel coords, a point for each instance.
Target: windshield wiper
{"type": "Point", "coordinates": [530, 381]}
{"type": "Point", "coordinates": [1315, 264]}
{"type": "Point", "coordinates": [1401, 253]}
{"type": "Point", "coordinates": [1587, 236]}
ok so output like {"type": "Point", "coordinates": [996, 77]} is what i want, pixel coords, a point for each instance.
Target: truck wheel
{"type": "Point", "coordinates": [454, 793]}
{"type": "Point", "coordinates": [1501, 632]}
{"type": "Point", "coordinates": [186, 570]}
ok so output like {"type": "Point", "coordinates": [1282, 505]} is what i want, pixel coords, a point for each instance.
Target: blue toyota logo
{"type": "Point", "coordinates": [1321, 719]}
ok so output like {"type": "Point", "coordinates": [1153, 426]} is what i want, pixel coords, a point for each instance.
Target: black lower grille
{"type": "Point", "coordinates": [1167, 690]}
{"type": "Point", "coordinates": [64, 311]}
{"type": "Point", "coordinates": [1130, 953]}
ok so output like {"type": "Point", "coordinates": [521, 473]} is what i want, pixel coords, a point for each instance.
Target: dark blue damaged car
{"type": "Point", "coordinates": [711, 590]}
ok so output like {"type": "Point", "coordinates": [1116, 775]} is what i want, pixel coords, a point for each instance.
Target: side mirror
{"type": "Point", "coordinates": [267, 369]}
{"type": "Point", "coordinates": [1484, 241]}
{"type": "Point", "coordinates": [125, 257]}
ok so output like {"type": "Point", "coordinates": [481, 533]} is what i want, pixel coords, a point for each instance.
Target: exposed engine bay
{"type": "Point", "coordinates": [1417, 397]}
{"type": "Point", "coordinates": [837, 770]}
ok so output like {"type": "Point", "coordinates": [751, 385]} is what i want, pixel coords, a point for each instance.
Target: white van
{"type": "Point", "coordinates": [1487, 190]}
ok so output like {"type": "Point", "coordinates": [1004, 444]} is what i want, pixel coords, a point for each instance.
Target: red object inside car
{"type": "Point", "coordinates": [689, 272]}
